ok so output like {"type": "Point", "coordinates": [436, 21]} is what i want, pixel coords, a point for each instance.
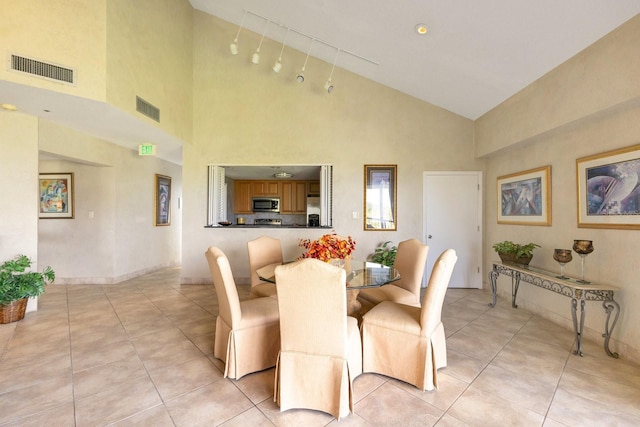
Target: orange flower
{"type": "Point", "coordinates": [327, 247]}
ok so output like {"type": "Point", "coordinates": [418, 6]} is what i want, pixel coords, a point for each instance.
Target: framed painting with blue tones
{"type": "Point", "coordinates": [163, 200]}
{"type": "Point", "coordinates": [524, 198]}
{"type": "Point", "coordinates": [609, 190]}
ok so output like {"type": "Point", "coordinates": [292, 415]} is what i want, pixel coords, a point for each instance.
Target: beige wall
{"type": "Point", "coordinates": [589, 105]}
{"type": "Point", "coordinates": [112, 236]}
{"type": "Point", "coordinates": [69, 33]}
{"type": "Point", "coordinates": [19, 175]}
{"type": "Point", "coordinates": [247, 114]}
{"type": "Point", "coordinates": [149, 52]}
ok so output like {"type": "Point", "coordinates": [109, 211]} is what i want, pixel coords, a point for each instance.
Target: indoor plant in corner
{"type": "Point", "coordinates": [385, 254]}
{"type": "Point", "coordinates": [17, 285]}
{"type": "Point", "coordinates": [515, 252]}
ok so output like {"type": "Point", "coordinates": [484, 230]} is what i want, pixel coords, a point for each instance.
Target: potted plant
{"type": "Point", "coordinates": [515, 252]}
{"type": "Point", "coordinates": [17, 285]}
{"type": "Point", "coordinates": [385, 254]}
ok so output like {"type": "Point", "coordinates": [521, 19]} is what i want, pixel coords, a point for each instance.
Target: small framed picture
{"type": "Point", "coordinates": [380, 190]}
{"type": "Point", "coordinates": [56, 195]}
{"type": "Point", "coordinates": [525, 197]}
{"type": "Point", "coordinates": [609, 190]}
{"type": "Point", "coordinates": [163, 200]}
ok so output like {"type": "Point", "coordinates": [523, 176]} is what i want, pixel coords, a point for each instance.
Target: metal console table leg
{"type": "Point", "coordinates": [493, 277]}
{"type": "Point", "coordinates": [578, 328]}
{"type": "Point", "coordinates": [610, 306]}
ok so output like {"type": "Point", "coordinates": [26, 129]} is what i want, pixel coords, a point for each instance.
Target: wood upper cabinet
{"type": "Point", "coordinates": [293, 197]}
{"type": "Point", "coordinates": [293, 194]}
{"type": "Point", "coordinates": [314, 187]}
{"type": "Point", "coordinates": [265, 188]}
{"type": "Point", "coordinates": [242, 197]}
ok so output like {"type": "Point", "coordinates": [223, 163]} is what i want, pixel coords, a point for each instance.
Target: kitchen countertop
{"type": "Point", "coordinates": [262, 226]}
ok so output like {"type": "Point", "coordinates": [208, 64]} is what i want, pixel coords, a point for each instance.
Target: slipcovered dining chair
{"type": "Point", "coordinates": [263, 251]}
{"type": "Point", "coordinates": [408, 343]}
{"type": "Point", "coordinates": [321, 349]}
{"type": "Point", "coordinates": [247, 332]}
{"type": "Point", "coordinates": [410, 261]}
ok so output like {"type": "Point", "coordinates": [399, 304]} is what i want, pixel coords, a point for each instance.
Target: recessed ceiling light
{"type": "Point", "coordinates": [421, 29]}
{"type": "Point", "coordinates": [9, 107]}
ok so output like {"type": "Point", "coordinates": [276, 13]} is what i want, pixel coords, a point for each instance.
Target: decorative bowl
{"type": "Point", "coordinates": [224, 223]}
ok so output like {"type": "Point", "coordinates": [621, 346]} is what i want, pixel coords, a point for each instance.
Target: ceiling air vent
{"type": "Point", "coordinates": [42, 69]}
{"type": "Point", "coordinates": [147, 109]}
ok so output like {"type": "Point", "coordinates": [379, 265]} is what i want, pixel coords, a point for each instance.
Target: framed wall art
{"type": "Point", "coordinates": [380, 189]}
{"type": "Point", "coordinates": [56, 195]}
{"type": "Point", "coordinates": [608, 190]}
{"type": "Point", "coordinates": [524, 198]}
{"type": "Point", "coordinates": [163, 200]}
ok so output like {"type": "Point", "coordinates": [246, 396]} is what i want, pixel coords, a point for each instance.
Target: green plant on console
{"type": "Point", "coordinates": [16, 283]}
{"type": "Point", "coordinates": [515, 252]}
{"type": "Point", "coordinates": [385, 254]}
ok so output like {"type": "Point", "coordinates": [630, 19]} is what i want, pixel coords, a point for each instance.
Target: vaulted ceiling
{"type": "Point", "coordinates": [475, 54]}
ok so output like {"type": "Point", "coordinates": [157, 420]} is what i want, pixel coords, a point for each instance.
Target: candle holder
{"type": "Point", "coordinates": [583, 248]}
{"type": "Point", "coordinates": [562, 256]}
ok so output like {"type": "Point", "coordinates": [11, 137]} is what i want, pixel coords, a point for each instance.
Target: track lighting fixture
{"type": "Point", "coordinates": [278, 65]}
{"type": "Point", "coordinates": [328, 86]}
{"type": "Point", "coordinates": [256, 56]}
{"type": "Point", "coordinates": [233, 47]}
{"type": "Point", "coordinates": [300, 76]}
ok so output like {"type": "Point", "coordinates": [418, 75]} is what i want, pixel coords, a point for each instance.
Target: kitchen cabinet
{"type": "Point", "coordinates": [293, 197]}
{"type": "Point", "coordinates": [265, 188]}
{"type": "Point", "coordinates": [314, 188]}
{"type": "Point", "coordinates": [242, 197]}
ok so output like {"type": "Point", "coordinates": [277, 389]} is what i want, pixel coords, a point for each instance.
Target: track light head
{"type": "Point", "coordinates": [277, 66]}
{"type": "Point", "coordinates": [233, 47]}
{"type": "Point", "coordinates": [300, 77]}
{"type": "Point", "coordinates": [328, 86]}
{"type": "Point", "coordinates": [256, 57]}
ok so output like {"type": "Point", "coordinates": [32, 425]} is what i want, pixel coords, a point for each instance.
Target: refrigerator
{"type": "Point", "coordinates": [313, 211]}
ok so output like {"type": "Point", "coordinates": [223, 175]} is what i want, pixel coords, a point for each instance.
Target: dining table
{"type": "Point", "coordinates": [360, 275]}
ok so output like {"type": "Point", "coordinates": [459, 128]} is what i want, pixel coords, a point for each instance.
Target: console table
{"type": "Point", "coordinates": [569, 287]}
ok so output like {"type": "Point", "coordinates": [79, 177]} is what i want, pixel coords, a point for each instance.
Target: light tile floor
{"type": "Point", "coordinates": [140, 353]}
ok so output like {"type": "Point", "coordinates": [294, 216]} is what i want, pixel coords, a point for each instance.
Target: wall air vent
{"type": "Point", "coordinates": [41, 69]}
{"type": "Point", "coordinates": [147, 109]}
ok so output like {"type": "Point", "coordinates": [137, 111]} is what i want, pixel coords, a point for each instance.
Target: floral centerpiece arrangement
{"type": "Point", "coordinates": [328, 247]}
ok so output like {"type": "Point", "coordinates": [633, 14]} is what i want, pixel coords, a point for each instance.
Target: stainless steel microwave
{"type": "Point", "coordinates": [266, 204]}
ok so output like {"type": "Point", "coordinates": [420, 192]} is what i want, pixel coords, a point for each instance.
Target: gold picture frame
{"type": "Point", "coordinates": [162, 200]}
{"type": "Point", "coordinates": [380, 198]}
{"type": "Point", "coordinates": [608, 190]}
{"type": "Point", "coordinates": [524, 198]}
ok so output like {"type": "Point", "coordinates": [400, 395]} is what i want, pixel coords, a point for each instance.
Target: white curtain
{"type": "Point", "coordinates": [217, 206]}
{"type": "Point", "coordinates": [326, 196]}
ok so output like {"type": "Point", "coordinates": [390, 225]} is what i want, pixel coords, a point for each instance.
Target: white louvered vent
{"type": "Point", "coordinates": [41, 69]}
{"type": "Point", "coordinates": [147, 109]}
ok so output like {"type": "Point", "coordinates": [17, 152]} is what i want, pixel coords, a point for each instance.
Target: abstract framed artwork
{"type": "Point", "coordinates": [163, 200]}
{"type": "Point", "coordinates": [609, 190]}
{"type": "Point", "coordinates": [380, 189]}
{"type": "Point", "coordinates": [524, 198]}
{"type": "Point", "coordinates": [56, 195]}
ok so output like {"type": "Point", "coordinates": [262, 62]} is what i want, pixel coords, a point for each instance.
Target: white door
{"type": "Point", "coordinates": [452, 218]}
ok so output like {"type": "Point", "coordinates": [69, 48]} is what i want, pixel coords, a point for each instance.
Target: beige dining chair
{"type": "Point", "coordinates": [408, 343]}
{"type": "Point", "coordinates": [410, 261]}
{"type": "Point", "coordinates": [247, 332]}
{"type": "Point", "coordinates": [321, 350]}
{"type": "Point", "coordinates": [263, 251]}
